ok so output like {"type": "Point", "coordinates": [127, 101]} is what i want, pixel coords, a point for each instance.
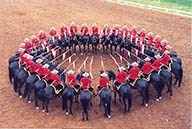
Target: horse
{"type": "Point", "coordinates": [105, 41]}
{"type": "Point", "coordinates": [166, 77]}
{"type": "Point", "coordinates": [125, 93]}
{"type": "Point", "coordinates": [105, 98]}
{"type": "Point", "coordinates": [67, 42]}
{"type": "Point", "coordinates": [85, 99]}
{"type": "Point", "coordinates": [85, 41]}
{"type": "Point", "coordinates": [116, 40]}
{"type": "Point", "coordinates": [19, 80]}
{"type": "Point", "coordinates": [13, 68]}
{"type": "Point", "coordinates": [94, 40]}
{"type": "Point", "coordinates": [177, 70]}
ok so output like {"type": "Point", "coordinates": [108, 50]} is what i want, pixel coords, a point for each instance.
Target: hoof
{"type": "Point", "coordinates": [43, 110]}
{"type": "Point", "coordinates": [109, 116]}
{"type": "Point", "coordinates": [37, 108]}
{"type": "Point", "coordinates": [20, 96]}
{"type": "Point", "coordinates": [157, 100]}
{"type": "Point", "coordinates": [67, 113]}
{"type": "Point", "coordinates": [146, 105]}
{"type": "Point", "coordinates": [81, 53]}
{"type": "Point", "coordinates": [74, 53]}
{"type": "Point", "coordinates": [29, 101]}
{"type": "Point", "coordinates": [160, 97]}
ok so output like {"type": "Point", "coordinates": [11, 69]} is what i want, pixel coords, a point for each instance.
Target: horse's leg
{"type": "Point", "coordinates": [46, 105]}
{"type": "Point", "coordinates": [27, 86]}
{"type": "Point", "coordinates": [115, 95]}
{"type": "Point", "coordinates": [103, 48]}
{"type": "Point", "coordinates": [84, 45]}
{"type": "Point", "coordinates": [146, 96]}
{"type": "Point", "coordinates": [175, 82]}
{"type": "Point", "coordinates": [36, 99]}
{"type": "Point", "coordinates": [43, 106]}
{"type": "Point", "coordinates": [105, 107]}
{"type": "Point", "coordinates": [19, 88]}
{"type": "Point", "coordinates": [10, 76]}
{"type": "Point", "coordinates": [96, 48]}
{"type": "Point", "coordinates": [70, 108]}
{"type": "Point", "coordinates": [87, 113]}
{"type": "Point", "coordinates": [129, 102]}
{"type": "Point", "coordinates": [180, 80]}
{"type": "Point", "coordinates": [15, 81]}
{"type": "Point", "coordinates": [83, 118]}
{"type": "Point", "coordinates": [109, 109]}
{"type": "Point", "coordinates": [76, 98]}
{"type": "Point", "coordinates": [125, 106]}
{"type": "Point", "coordinates": [29, 94]}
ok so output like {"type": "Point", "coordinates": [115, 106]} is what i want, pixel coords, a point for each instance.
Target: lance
{"type": "Point", "coordinates": [59, 56]}
{"type": "Point", "coordinates": [82, 64]}
{"type": "Point", "coordinates": [90, 67]}
{"type": "Point", "coordinates": [115, 61]}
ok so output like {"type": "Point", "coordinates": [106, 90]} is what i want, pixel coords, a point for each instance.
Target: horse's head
{"type": "Point", "coordinates": [111, 75]}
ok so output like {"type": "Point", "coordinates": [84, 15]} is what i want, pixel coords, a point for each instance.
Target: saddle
{"type": "Point", "coordinates": [58, 88]}
{"type": "Point", "coordinates": [147, 78]}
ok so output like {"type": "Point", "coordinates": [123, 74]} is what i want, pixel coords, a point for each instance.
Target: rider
{"type": "Point", "coordinates": [53, 33]}
{"type": "Point", "coordinates": [125, 32]}
{"type": "Point", "coordinates": [156, 64]}
{"type": "Point", "coordinates": [94, 30]}
{"type": "Point", "coordinates": [42, 36]}
{"type": "Point", "coordinates": [163, 45]}
{"type": "Point", "coordinates": [71, 79]}
{"type": "Point", "coordinates": [84, 30]}
{"type": "Point", "coordinates": [116, 30]}
{"type": "Point", "coordinates": [121, 77]}
{"type": "Point", "coordinates": [133, 72]}
{"type": "Point", "coordinates": [146, 68]}
{"type": "Point", "coordinates": [133, 34]}
{"type": "Point", "coordinates": [150, 39]}
{"type": "Point", "coordinates": [64, 31]}
{"type": "Point", "coordinates": [165, 60]}
{"type": "Point", "coordinates": [73, 29]}
{"type": "Point", "coordinates": [157, 40]}
{"type": "Point", "coordinates": [103, 82]}
{"type": "Point", "coordinates": [34, 41]}
{"type": "Point", "coordinates": [86, 82]}
{"type": "Point", "coordinates": [106, 31]}
{"type": "Point", "coordinates": [27, 45]}
{"type": "Point", "coordinates": [142, 34]}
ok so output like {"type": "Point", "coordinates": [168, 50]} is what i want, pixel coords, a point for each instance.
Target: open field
{"type": "Point", "coordinates": [22, 18]}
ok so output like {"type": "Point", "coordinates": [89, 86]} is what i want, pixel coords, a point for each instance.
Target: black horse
{"type": "Point", "coordinates": [166, 77]}
{"type": "Point", "coordinates": [94, 40]}
{"type": "Point", "coordinates": [85, 42]}
{"type": "Point", "coordinates": [13, 68]}
{"type": "Point", "coordinates": [105, 41]}
{"type": "Point", "coordinates": [125, 93]}
{"type": "Point", "coordinates": [67, 42]}
{"type": "Point", "coordinates": [177, 70]}
{"type": "Point", "coordinates": [105, 99]}
{"type": "Point", "coordinates": [85, 99]}
{"type": "Point", "coordinates": [19, 80]}
{"type": "Point", "coordinates": [116, 40]}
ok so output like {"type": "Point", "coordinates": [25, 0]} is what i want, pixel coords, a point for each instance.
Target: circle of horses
{"type": "Point", "coordinates": [60, 48]}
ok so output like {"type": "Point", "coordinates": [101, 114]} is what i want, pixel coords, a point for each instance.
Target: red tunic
{"type": "Point", "coordinates": [35, 42]}
{"type": "Point", "coordinates": [121, 77]}
{"type": "Point", "coordinates": [22, 58]}
{"type": "Point", "coordinates": [165, 59]}
{"type": "Point", "coordinates": [157, 43]}
{"type": "Point", "coordinates": [103, 82]}
{"type": "Point", "coordinates": [42, 36]}
{"type": "Point", "coordinates": [150, 41]}
{"type": "Point", "coordinates": [28, 63]}
{"type": "Point", "coordinates": [133, 73]}
{"type": "Point", "coordinates": [64, 31]}
{"type": "Point", "coordinates": [142, 36]}
{"type": "Point", "coordinates": [163, 47]}
{"type": "Point", "coordinates": [146, 68]}
{"type": "Point", "coordinates": [156, 64]}
{"type": "Point", "coordinates": [71, 80]}
{"type": "Point", "coordinates": [116, 31]}
{"type": "Point", "coordinates": [134, 33]}
{"type": "Point", "coordinates": [86, 82]}
{"type": "Point", "coordinates": [84, 30]}
{"type": "Point", "coordinates": [73, 30]}
{"type": "Point", "coordinates": [33, 67]}
{"type": "Point", "coordinates": [56, 79]}
{"type": "Point", "coordinates": [94, 31]}
{"type": "Point", "coordinates": [53, 32]}
{"type": "Point", "coordinates": [125, 33]}
{"type": "Point", "coordinates": [106, 31]}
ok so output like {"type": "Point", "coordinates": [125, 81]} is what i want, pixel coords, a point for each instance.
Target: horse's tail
{"type": "Point", "coordinates": [129, 97]}
{"type": "Point", "coordinates": [64, 103]}
{"type": "Point", "coordinates": [10, 75]}
{"type": "Point", "coordinates": [181, 77]}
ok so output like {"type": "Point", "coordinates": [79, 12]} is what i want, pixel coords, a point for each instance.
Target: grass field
{"type": "Point", "coordinates": [181, 5]}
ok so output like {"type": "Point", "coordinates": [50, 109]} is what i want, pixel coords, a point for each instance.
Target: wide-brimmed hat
{"type": "Point", "coordinates": [166, 52]}
{"type": "Point", "coordinates": [147, 59]}
{"type": "Point", "coordinates": [164, 41]}
{"type": "Point", "coordinates": [150, 34]}
{"type": "Point", "coordinates": [157, 37]}
{"type": "Point", "coordinates": [22, 45]}
{"type": "Point", "coordinates": [29, 56]}
{"type": "Point", "coordinates": [39, 60]}
{"type": "Point", "coordinates": [168, 47]}
{"type": "Point", "coordinates": [84, 24]}
{"type": "Point", "coordinates": [85, 74]}
{"type": "Point", "coordinates": [121, 68]}
{"type": "Point", "coordinates": [103, 75]}
{"type": "Point", "coordinates": [46, 65]}
{"type": "Point", "coordinates": [125, 27]}
{"type": "Point", "coordinates": [135, 64]}
{"type": "Point", "coordinates": [157, 56]}
{"type": "Point", "coordinates": [70, 72]}
{"type": "Point", "coordinates": [26, 39]}
{"type": "Point", "coordinates": [33, 36]}
{"type": "Point", "coordinates": [54, 71]}
{"type": "Point", "coordinates": [52, 28]}
{"type": "Point", "coordinates": [106, 25]}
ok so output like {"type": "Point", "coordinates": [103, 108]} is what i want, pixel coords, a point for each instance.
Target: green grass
{"type": "Point", "coordinates": [182, 5]}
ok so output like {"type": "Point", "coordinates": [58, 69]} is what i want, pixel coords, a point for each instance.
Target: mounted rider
{"type": "Point", "coordinates": [116, 30]}
{"type": "Point", "coordinates": [84, 30]}
{"type": "Point", "coordinates": [28, 45]}
{"type": "Point", "coordinates": [146, 68]}
{"type": "Point", "coordinates": [53, 34]}
{"type": "Point", "coordinates": [133, 73]}
{"type": "Point", "coordinates": [42, 36]}
{"type": "Point", "coordinates": [164, 43]}
{"type": "Point", "coordinates": [73, 29]}
{"type": "Point", "coordinates": [94, 30]}
{"type": "Point", "coordinates": [34, 41]}
{"type": "Point", "coordinates": [106, 31]}
{"type": "Point", "coordinates": [142, 35]}
{"type": "Point", "coordinates": [156, 64]}
{"type": "Point", "coordinates": [157, 41]}
{"type": "Point", "coordinates": [86, 82]}
{"type": "Point", "coordinates": [121, 77]}
{"type": "Point", "coordinates": [64, 31]}
{"type": "Point", "coordinates": [71, 80]}
{"type": "Point", "coordinates": [165, 60]}
{"type": "Point", "coordinates": [150, 39]}
{"type": "Point", "coordinates": [103, 82]}
{"type": "Point", "coordinates": [133, 34]}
